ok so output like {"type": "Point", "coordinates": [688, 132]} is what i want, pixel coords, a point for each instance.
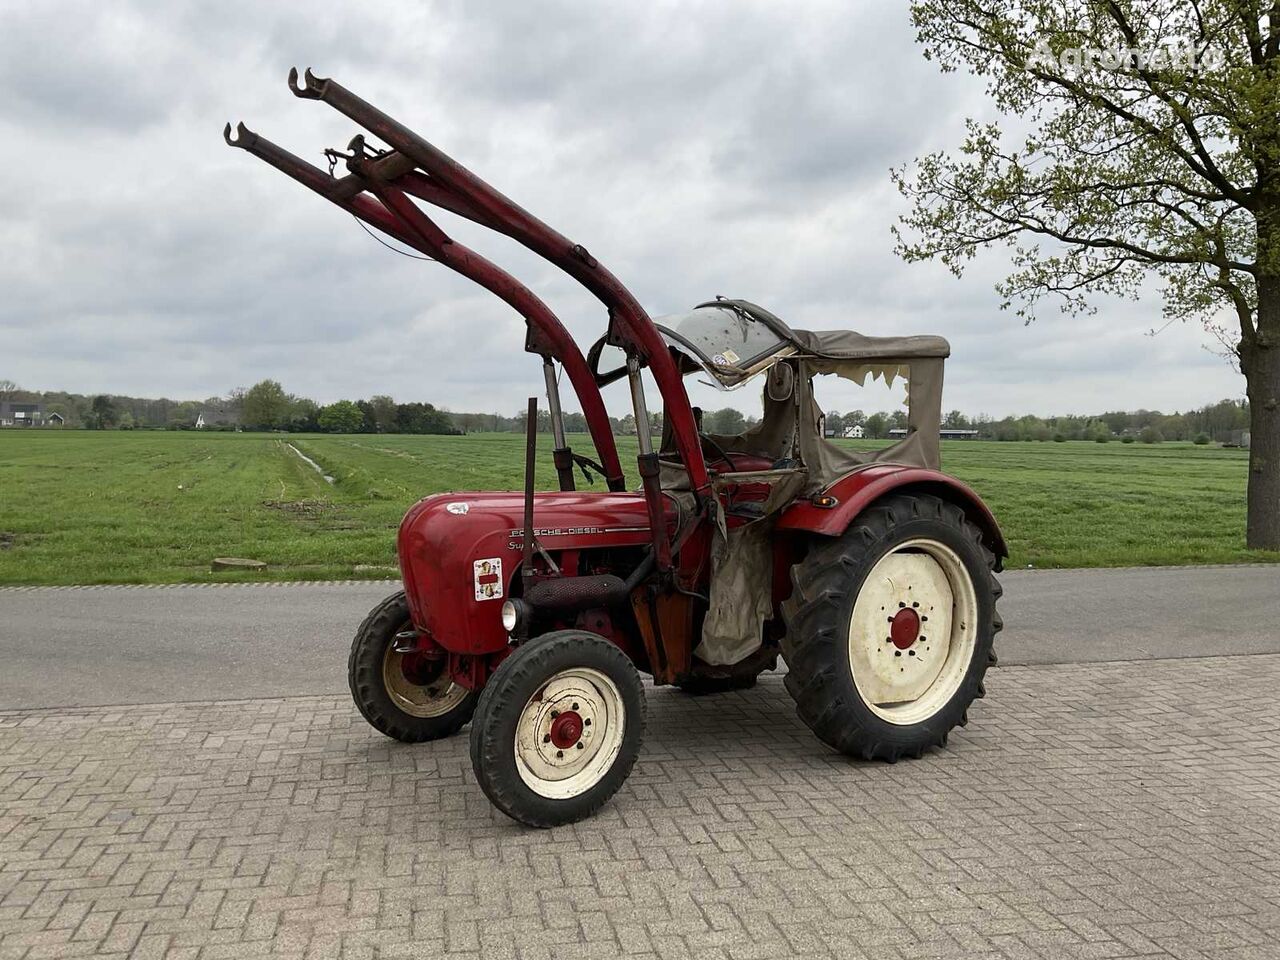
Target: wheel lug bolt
{"type": "Point", "coordinates": [554, 714]}
{"type": "Point", "coordinates": [575, 706]}
{"type": "Point", "coordinates": [581, 744]}
{"type": "Point", "coordinates": [546, 738]}
{"type": "Point", "coordinates": [559, 754]}
{"type": "Point", "coordinates": [586, 722]}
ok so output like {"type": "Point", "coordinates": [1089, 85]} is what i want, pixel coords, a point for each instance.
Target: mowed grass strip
{"type": "Point", "coordinates": [142, 507]}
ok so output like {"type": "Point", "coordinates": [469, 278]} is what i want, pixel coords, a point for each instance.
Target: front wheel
{"type": "Point", "coordinates": [890, 629]}
{"type": "Point", "coordinates": [558, 728]}
{"type": "Point", "coordinates": [407, 696]}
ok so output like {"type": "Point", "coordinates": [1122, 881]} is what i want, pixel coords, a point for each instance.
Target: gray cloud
{"type": "Point", "coordinates": [720, 147]}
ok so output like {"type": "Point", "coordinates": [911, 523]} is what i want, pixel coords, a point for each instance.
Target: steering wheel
{"type": "Point", "coordinates": [593, 362]}
{"type": "Point", "coordinates": [608, 377]}
{"type": "Point", "coordinates": [719, 451]}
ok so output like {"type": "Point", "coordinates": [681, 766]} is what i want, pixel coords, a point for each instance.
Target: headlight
{"type": "Point", "coordinates": [512, 615]}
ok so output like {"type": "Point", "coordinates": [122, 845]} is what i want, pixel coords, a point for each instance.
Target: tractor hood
{"type": "Point", "coordinates": [460, 553]}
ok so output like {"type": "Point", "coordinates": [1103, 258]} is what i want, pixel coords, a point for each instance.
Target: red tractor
{"type": "Point", "coordinates": [531, 616]}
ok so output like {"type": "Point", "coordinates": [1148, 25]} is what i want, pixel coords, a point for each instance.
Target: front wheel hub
{"type": "Point", "coordinates": [419, 685]}
{"type": "Point", "coordinates": [569, 733]}
{"type": "Point", "coordinates": [566, 730]}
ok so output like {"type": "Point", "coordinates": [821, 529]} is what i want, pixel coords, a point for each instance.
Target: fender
{"type": "Point", "coordinates": [856, 491]}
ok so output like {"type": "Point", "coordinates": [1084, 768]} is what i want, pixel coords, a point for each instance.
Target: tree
{"type": "Point", "coordinates": [383, 409]}
{"type": "Point", "coordinates": [340, 417]}
{"type": "Point", "coordinates": [8, 389]}
{"type": "Point", "coordinates": [1097, 431]}
{"type": "Point", "coordinates": [1154, 150]}
{"type": "Point", "coordinates": [424, 418]}
{"type": "Point", "coordinates": [877, 426]}
{"type": "Point", "coordinates": [102, 414]}
{"type": "Point", "coordinates": [235, 401]}
{"type": "Point", "coordinates": [182, 416]}
{"type": "Point", "coordinates": [265, 406]}
{"type": "Point", "coordinates": [300, 414]}
{"type": "Point", "coordinates": [835, 424]}
{"type": "Point", "coordinates": [727, 422]}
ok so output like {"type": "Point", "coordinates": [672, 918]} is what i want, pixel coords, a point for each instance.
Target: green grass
{"type": "Point", "coordinates": [83, 507]}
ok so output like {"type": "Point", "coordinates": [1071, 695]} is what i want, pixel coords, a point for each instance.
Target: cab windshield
{"type": "Point", "coordinates": [728, 343]}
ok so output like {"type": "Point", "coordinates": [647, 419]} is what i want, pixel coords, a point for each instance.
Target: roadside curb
{"type": "Point", "coordinates": [1252, 564]}
{"type": "Point", "coordinates": [34, 588]}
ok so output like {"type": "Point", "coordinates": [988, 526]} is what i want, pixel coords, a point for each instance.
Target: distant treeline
{"type": "Point", "coordinates": [267, 406]}
{"type": "Point", "coordinates": [1220, 421]}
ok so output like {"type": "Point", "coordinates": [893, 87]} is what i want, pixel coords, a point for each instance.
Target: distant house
{"type": "Point", "coordinates": [200, 421]}
{"type": "Point", "coordinates": [14, 413]}
{"type": "Point", "coordinates": [218, 413]}
{"type": "Point", "coordinates": [855, 432]}
{"type": "Point", "coordinates": [55, 420]}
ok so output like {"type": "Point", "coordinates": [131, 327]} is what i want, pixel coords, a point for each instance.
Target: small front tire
{"type": "Point", "coordinates": [405, 696]}
{"type": "Point", "coordinates": [558, 728]}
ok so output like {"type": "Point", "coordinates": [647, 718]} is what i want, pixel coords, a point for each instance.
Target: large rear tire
{"type": "Point", "coordinates": [558, 728]}
{"type": "Point", "coordinates": [890, 628]}
{"type": "Point", "coordinates": [405, 696]}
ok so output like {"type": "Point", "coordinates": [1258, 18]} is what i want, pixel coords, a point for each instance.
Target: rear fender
{"type": "Point", "coordinates": [855, 492]}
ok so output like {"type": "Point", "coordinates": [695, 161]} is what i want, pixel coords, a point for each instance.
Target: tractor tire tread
{"type": "Point", "coordinates": [508, 691]}
{"type": "Point", "coordinates": [364, 678]}
{"type": "Point", "coordinates": [815, 644]}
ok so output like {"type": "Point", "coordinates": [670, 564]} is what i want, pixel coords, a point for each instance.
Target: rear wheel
{"type": "Point", "coordinates": [890, 629]}
{"type": "Point", "coordinates": [407, 696]}
{"type": "Point", "coordinates": [558, 728]}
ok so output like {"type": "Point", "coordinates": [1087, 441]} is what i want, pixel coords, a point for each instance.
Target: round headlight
{"type": "Point", "coordinates": [510, 616]}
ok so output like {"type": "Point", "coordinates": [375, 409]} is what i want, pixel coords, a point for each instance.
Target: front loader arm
{"type": "Point", "coordinates": [630, 326]}
{"type": "Point", "coordinates": [391, 212]}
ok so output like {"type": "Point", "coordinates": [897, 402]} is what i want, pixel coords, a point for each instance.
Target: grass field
{"type": "Point", "coordinates": [83, 507]}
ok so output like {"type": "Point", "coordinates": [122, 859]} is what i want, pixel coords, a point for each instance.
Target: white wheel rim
{"type": "Point", "coordinates": [433, 699]}
{"type": "Point", "coordinates": [907, 682]}
{"type": "Point", "coordinates": [570, 733]}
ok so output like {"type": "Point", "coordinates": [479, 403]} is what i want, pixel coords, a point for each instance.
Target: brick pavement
{"type": "Point", "coordinates": [1103, 810]}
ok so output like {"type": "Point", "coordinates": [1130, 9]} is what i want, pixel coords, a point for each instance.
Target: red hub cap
{"type": "Point", "coordinates": [905, 628]}
{"type": "Point", "coordinates": [566, 729]}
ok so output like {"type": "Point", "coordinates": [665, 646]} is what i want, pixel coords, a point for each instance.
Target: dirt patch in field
{"type": "Point", "coordinates": [301, 509]}
{"type": "Point", "coordinates": [7, 540]}
{"type": "Point", "coordinates": [319, 514]}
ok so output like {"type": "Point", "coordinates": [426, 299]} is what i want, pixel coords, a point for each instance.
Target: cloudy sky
{"type": "Point", "coordinates": [696, 148]}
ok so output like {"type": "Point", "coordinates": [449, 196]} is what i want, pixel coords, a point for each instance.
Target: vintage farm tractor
{"type": "Point", "coordinates": [531, 616]}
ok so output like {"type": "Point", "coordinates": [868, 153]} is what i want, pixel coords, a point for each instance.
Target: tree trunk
{"type": "Point", "coordinates": [1261, 365]}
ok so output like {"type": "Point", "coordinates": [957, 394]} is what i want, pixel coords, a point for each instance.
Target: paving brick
{"type": "Point", "coordinates": [1090, 811]}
